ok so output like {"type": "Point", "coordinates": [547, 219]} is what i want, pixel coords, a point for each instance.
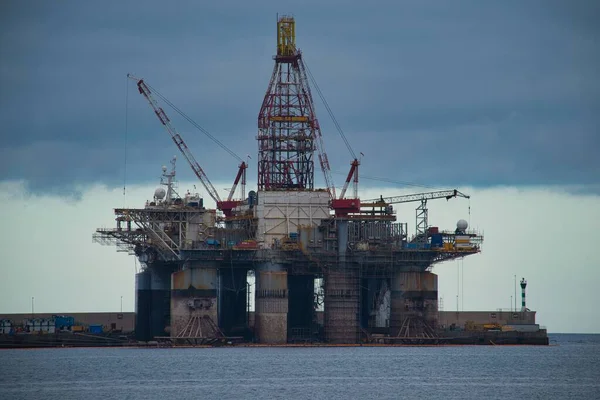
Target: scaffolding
{"type": "Point", "coordinates": [342, 304]}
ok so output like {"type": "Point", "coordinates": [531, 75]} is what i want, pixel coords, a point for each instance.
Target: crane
{"type": "Point", "coordinates": [226, 206]}
{"type": "Point", "coordinates": [422, 212]}
{"type": "Point", "coordinates": [342, 206]}
{"type": "Point", "coordinates": [352, 174]}
{"type": "Point", "coordinates": [441, 194]}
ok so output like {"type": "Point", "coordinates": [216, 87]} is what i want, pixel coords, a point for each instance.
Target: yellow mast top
{"type": "Point", "coordinates": [286, 36]}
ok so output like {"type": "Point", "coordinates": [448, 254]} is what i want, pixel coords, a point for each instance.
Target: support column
{"type": "Point", "coordinates": [342, 295]}
{"type": "Point", "coordinates": [342, 306]}
{"type": "Point", "coordinates": [301, 307]}
{"type": "Point", "coordinates": [414, 304]}
{"type": "Point", "coordinates": [270, 317]}
{"type": "Point", "coordinates": [160, 288]}
{"type": "Point", "coordinates": [233, 297]}
{"type": "Point", "coordinates": [194, 306]}
{"type": "Point", "coordinates": [143, 306]}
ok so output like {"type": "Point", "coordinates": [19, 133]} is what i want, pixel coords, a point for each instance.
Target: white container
{"type": "Point", "coordinates": [463, 245]}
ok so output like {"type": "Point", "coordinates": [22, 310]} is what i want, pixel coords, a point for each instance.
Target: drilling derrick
{"type": "Point", "coordinates": [288, 135]}
{"type": "Point", "coordinates": [287, 125]}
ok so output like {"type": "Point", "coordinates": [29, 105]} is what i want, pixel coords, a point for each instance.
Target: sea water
{"type": "Point", "coordinates": [567, 369]}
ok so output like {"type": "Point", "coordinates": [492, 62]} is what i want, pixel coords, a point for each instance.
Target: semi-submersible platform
{"type": "Point", "coordinates": [307, 249]}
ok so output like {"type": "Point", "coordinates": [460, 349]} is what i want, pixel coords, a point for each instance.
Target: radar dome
{"type": "Point", "coordinates": [462, 224]}
{"type": "Point", "coordinates": [159, 193]}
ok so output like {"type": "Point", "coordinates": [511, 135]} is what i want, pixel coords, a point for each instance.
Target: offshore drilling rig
{"type": "Point", "coordinates": [372, 278]}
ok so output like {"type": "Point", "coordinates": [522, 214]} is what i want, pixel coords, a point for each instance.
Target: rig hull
{"type": "Point", "coordinates": [300, 249]}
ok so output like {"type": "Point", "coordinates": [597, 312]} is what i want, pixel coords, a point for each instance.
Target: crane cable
{"type": "Point", "coordinates": [375, 178]}
{"type": "Point", "coordinates": [469, 211]}
{"type": "Point", "coordinates": [191, 121]}
{"type": "Point", "coordinates": [343, 136]}
{"type": "Point", "coordinates": [335, 122]}
{"type": "Point", "coordinates": [126, 129]}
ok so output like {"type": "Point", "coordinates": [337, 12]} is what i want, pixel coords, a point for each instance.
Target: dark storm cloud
{"type": "Point", "coordinates": [439, 93]}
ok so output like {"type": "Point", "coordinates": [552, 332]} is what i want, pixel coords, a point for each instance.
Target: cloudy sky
{"type": "Point", "coordinates": [501, 98]}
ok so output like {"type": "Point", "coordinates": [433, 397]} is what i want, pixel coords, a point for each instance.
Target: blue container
{"type": "Point", "coordinates": [437, 240]}
{"type": "Point", "coordinates": [412, 246]}
{"type": "Point", "coordinates": [95, 328]}
{"type": "Point", "coordinates": [212, 242]}
{"type": "Point", "coordinates": [63, 321]}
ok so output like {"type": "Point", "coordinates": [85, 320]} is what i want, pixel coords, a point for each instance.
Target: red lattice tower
{"type": "Point", "coordinates": [287, 124]}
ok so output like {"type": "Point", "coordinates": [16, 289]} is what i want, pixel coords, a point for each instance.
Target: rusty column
{"type": "Point", "coordinates": [414, 304]}
{"type": "Point", "coordinates": [270, 324]}
{"type": "Point", "coordinates": [194, 308]}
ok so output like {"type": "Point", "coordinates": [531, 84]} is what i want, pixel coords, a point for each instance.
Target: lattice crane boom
{"type": "Point", "coordinates": [241, 175]}
{"type": "Point", "coordinates": [352, 174]}
{"type": "Point", "coordinates": [447, 194]}
{"type": "Point", "coordinates": [177, 139]}
{"type": "Point", "coordinates": [422, 218]}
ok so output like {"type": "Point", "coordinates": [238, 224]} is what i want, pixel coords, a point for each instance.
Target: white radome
{"type": "Point", "coordinates": [160, 193]}
{"type": "Point", "coordinates": [462, 224]}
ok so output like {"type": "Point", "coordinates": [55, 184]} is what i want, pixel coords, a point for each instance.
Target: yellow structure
{"type": "Point", "coordinates": [288, 118]}
{"type": "Point", "coordinates": [489, 327]}
{"type": "Point", "coordinates": [286, 36]}
{"type": "Point", "coordinates": [472, 326]}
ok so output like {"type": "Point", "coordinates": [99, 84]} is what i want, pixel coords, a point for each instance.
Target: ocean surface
{"type": "Point", "coordinates": [567, 369]}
